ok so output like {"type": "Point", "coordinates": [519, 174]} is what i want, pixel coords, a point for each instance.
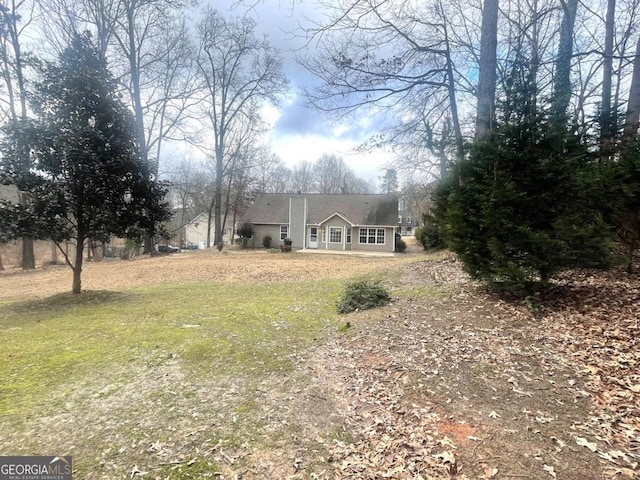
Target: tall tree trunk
{"type": "Point", "coordinates": [136, 97]}
{"type": "Point", "coordinates": [534, 64]}
{"type": "Point", "coordinates": [485, 110]}
{"type": "Point", "coordinates": [209, 216]}
{"type": "Point", "coordinates": [135, 82]}
{"type": "Point", "coordinates": [453, 103]}
{"type": "Point", "coordinates": [217, 215]}
{"type": "Point", "coordinates": [28, 253]}
{"type": "Point", "coordinates": [632, 118]}
{"type": "Point", "coordinates": [77, 266]}
{"type": "Point", "coordinates": [607, 117]}
{"type": "Point", "coordinates": [227, 203]}
{"type": "Point", "coordinates": [562, 84]}
{"type": "Point", "coordinates": [1, 264]}
{"type": "Point", "coordinates": [10, 17]}
{"type": "Point", "coordinates": [440, 149]}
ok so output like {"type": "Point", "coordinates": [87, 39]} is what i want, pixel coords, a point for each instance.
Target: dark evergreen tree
{"type": "Point", "coordinates": [520, 209]}
{"type": "Point", "coordinates": [617, 185]}
{"type": "Point", "coordinates": [429, 234]}
{"type": "Point", "coordinates": [87, 179]}
{"type": "Point", "coordinates": [627, 217]}
{"type": "Point", "coordinates": [389, 181]}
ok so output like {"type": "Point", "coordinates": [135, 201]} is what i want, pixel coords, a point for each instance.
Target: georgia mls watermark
{"type": "Point", "coordinates": [35, 468]}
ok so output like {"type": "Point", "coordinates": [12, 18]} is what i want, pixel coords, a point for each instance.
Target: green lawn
{"type": "Point", "coordinates": [54, 343]}
{"type": "Point", "coordinates": [67, 353]}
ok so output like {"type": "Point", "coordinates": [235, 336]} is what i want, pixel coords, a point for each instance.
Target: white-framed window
{"type": "Point", "coordinates": [372, 236]}
{"type": "Point", "coordinates": [335, 234]}
{"type": "Point", "coordinates": [348, 234]}
{"type": "Point", "coordinates": [284, 232]}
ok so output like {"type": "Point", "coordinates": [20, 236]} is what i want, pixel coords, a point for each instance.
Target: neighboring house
{"type": "Point", "coordinates": [193, 234]}
{"type": "Point", "coordinates": [175, 226]}
{"type": "Point", "coordinates": [364, 222]}
{"type": "Point", "coordinates": [9, 193]}
{"type": "Point", "coordinates": [407, 223]}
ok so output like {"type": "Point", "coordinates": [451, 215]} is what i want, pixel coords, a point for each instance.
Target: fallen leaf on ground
{"type": "Point", "coordinates": [490, 472]}
{"type": "Point", "coordinates": [583, 442]}
{"type": "Point", "coordinates": [446, 457]}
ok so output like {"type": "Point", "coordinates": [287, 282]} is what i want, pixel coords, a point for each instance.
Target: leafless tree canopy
{"type": "Point", "coordinates": [237, 71]}
{"type": "Point", "coordinates": [415, 67]}
{"type": "Point", "coordinates": [411, 70]}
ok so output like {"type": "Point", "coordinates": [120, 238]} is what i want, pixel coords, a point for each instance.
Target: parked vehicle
{"type": "Point", "coordinates": [168, 249]}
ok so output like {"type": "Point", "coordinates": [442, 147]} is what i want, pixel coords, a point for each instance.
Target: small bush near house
{"type": "Point", "coordinates": [245, 232]}
{"type": "Point", "coordinates": [266, 241]}
{"type": "Point", "coordinates": [363, 295]}
{"type": "Point", "coordinates": [401, 245]}
{"type": "Point", "coordinates": [286, 245]}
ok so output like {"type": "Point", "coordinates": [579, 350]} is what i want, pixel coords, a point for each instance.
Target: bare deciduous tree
{"type": "Point", "coordinates": [607, 118]}
{"type": "Point", "coordinates": [333, 176]}
{"type": "Point", "coordinates": [485, 109]}
{"type": "Point", "coordinates": [395, 60]}
{"type": "Point", "coordinates": [61, 20]}
{"type": "Point", "coordinates": [562, 81]}
{"type": "Point", "coordinates": [15, 20]}
{"type": "Point", "coordinates": [272, 176]}
{"type": "Point", "coordinates": [237, 71]}
{"type": "Point", "coordinates": [146, 43]}
{"type": "Point", "coordinates": [302, 177]}
{"type": "Point", "coordinates": [632, 118]}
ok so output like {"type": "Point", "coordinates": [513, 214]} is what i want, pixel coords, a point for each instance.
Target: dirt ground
{"type": "Point", "coordinates": [198, 266]}
{"type": "Point", "coordinates": [446, 382]}
{"type": "Point", "coordinates": [476, 385]}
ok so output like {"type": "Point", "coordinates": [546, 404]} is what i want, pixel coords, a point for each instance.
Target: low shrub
{"type": "Point", "coordinates": [362, 295]}
{"type": "Point", "coordinates": [266, 241]}
{"type": "Point", "coordinates": [429, 235]}
{"type": "Point", "coordinates": [401, 245]}
{"type": "Point", "coordinates": [245, 232]}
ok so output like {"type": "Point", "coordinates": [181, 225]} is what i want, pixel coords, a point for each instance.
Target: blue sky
{"type": "Point", "coordinates": [298, 132]}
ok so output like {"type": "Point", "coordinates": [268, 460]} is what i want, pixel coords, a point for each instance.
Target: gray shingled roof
{"type": "Point", "coordinates": [364, 209]}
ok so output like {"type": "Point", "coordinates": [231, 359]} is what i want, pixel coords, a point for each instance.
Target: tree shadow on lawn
{"type": "Point", "coordinates": [62, 301]}
{"type": "Point", "coordinates": [87, 297]}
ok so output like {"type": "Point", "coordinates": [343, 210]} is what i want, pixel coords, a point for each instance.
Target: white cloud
{"type": "Point", "coordinates": [299, 132]}
{"type": "Point", "coordinates": [293, 149]}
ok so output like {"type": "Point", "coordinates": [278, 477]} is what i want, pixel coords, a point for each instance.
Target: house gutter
{"type": "Point", "coordinates": [304, 225]}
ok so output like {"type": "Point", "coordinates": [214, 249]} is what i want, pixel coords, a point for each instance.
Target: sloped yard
{"type": "Point", "coordinates": [235, 366]}
{"type": "Point", "coordinates": [452, 380]}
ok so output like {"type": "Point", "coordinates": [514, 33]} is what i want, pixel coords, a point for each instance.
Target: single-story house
{"type": "Point", "coordinates": [365, 222]}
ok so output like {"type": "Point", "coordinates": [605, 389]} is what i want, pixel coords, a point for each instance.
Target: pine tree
{"type": "Point", "coordinates": [389, 181]}
{"type": "Point", "coordinates": [520, 210]}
